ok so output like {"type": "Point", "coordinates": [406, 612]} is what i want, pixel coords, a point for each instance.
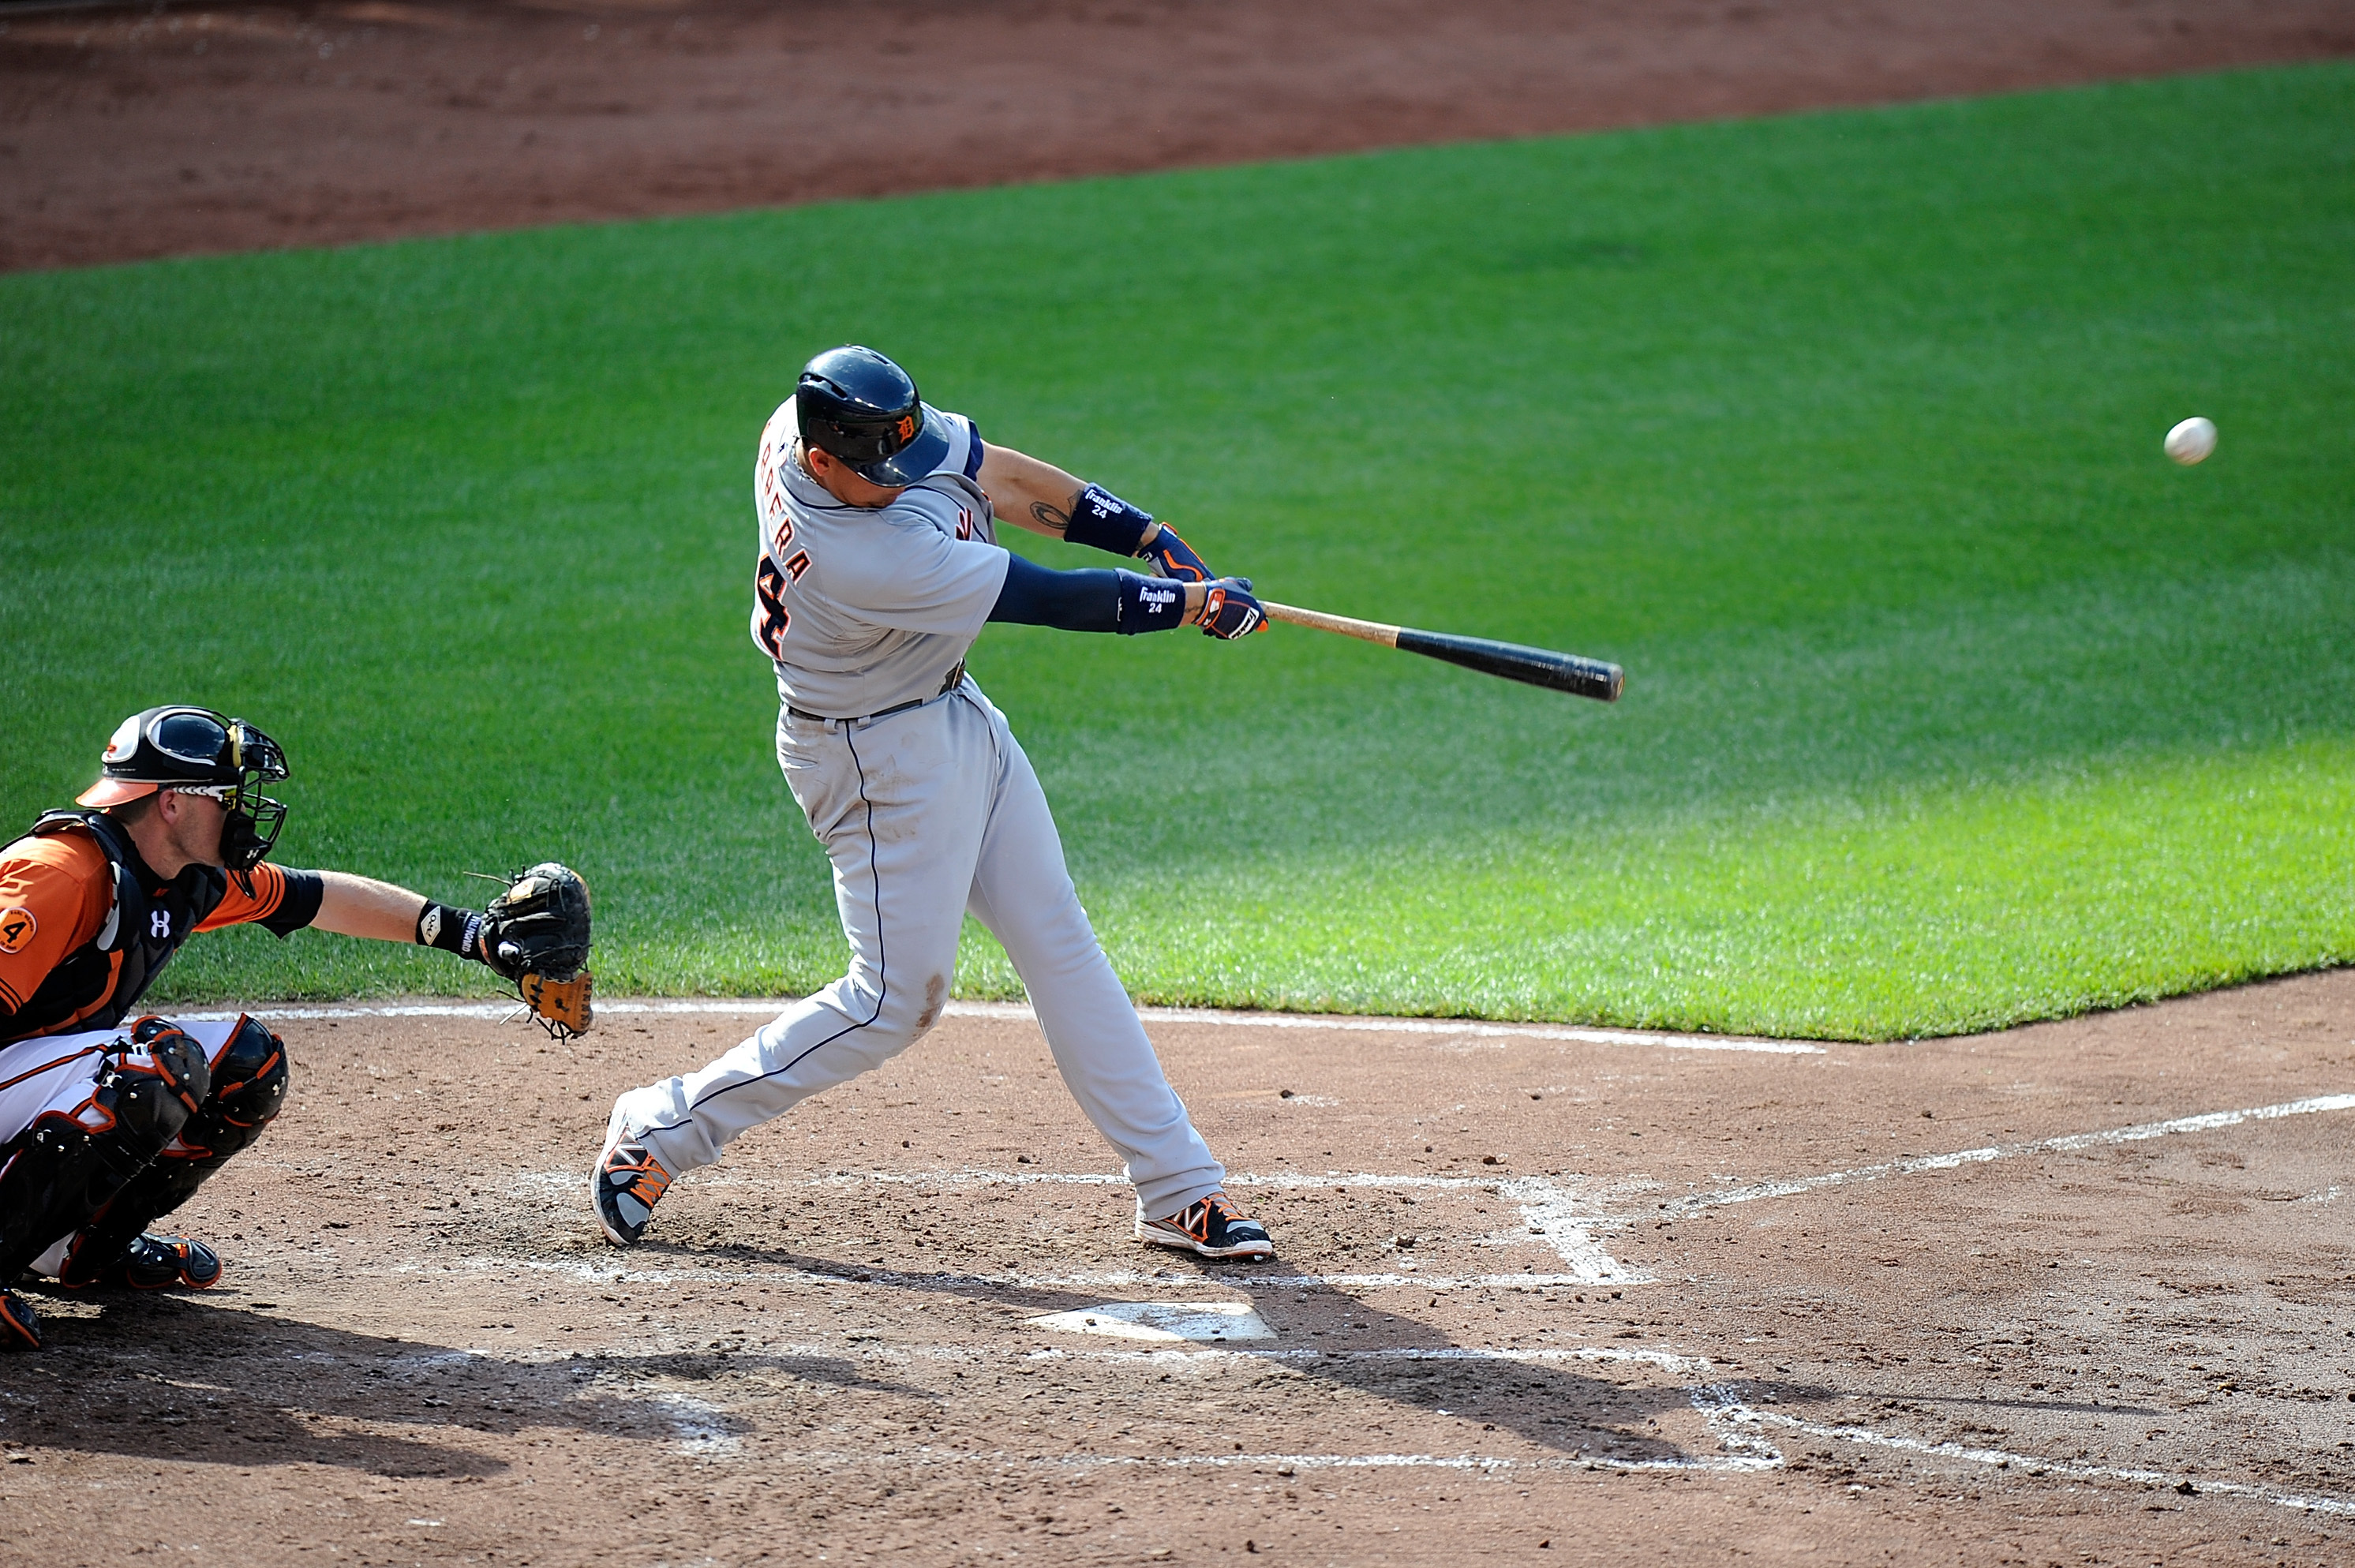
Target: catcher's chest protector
{"type": "Point", "coordinates": [143, 930]}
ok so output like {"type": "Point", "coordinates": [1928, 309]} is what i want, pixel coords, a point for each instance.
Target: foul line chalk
{"type": "Point", "coordinates": [2066, 1468]}
{"type": "Point", "coordinates": [769, 1007]}
{"type": "Point", "coordinates": [2066, 1143]}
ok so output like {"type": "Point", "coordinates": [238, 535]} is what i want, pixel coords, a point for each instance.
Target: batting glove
{"type": "Point", "coordinates": [1173, 557]}
{"type": "Point", "coordinates": [1228, 611]}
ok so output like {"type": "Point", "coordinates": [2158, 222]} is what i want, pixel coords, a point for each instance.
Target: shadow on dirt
{"type": "Point", "coordinates": [184, 1378]}
{"type": "Point", "coordinates": [1553, 1402]}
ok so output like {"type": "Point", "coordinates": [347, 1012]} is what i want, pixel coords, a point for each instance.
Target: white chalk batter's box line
{"type": "Point", "coordinates": [769, 1007]}
{"type": "Point", "coordinates": [704, 1429]}
{"type": "Point", "coordinates": [1728, 1416]}
{"type": "Point", "coordinates": [2027, 1465]}
{"type": "Point", "coordinates": [1564, 1213]}
{"type": "Point", "coordinates": [1738, 1428]}
{"type": "Point", "coordinates": [1085, 1279]}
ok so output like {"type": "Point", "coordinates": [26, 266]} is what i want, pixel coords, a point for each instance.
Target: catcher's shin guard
{"type": "Point", "coordinates": [66, 1167]}
{"type": "Point", "coordinates": [249, 1082]}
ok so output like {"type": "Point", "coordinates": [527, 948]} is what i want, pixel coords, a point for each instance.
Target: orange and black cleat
{"type": "Point", "coordinates": [626, 1185]}
{"type": "Point", "coordinates": [1211, 1226]}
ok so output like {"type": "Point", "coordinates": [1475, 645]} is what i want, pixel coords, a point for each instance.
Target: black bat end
{"type": "Point", "coordinates": [1596, 678]}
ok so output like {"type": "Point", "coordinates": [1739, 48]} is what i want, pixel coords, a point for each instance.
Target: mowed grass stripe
{"type": "Point", "coordinates": [1950, 703]}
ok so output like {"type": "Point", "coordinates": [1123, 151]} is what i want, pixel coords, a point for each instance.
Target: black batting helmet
{"type": "Point", "coordinates": [855, 405]}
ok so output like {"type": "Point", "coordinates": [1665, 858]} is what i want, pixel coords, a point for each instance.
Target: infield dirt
{"type": "Point", "coordinates": [2044, 1297]}
{"type": "Point", "coordinates": [1974, 1300]}
{"type": "Point", "coordinates": [166, 129]}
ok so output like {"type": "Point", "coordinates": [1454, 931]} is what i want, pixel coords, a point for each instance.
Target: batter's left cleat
{"type": "Point", "coordinates": [626, 1185]}
{"type": "Point", "coordinates": [163, 1263]}
{"type": "Point", "coordinates": [1213, 1227]}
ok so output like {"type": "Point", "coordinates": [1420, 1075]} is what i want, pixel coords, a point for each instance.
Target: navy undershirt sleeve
{"type": "Point", "coordinates": [1069, 600]}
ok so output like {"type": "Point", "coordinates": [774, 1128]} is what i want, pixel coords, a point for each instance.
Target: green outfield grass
{"type": "Point", "coordinates": [1950, 702]}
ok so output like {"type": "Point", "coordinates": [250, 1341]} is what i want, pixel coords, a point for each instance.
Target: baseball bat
{"type": "Point", "coordinates": [1537, 666]}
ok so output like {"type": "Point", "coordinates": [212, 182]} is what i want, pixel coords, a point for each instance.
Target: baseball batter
{"type": "Point", "coordinates": [878, 566]}
{"type": "Point", "coordinates": [105, 1129]}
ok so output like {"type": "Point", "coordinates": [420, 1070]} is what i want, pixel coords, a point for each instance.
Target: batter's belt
{"type": "Point", "coordinates": [949, 684]}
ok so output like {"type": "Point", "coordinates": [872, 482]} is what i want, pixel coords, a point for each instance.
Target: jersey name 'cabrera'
{"type": "Point", "coordinates": [862, 610]}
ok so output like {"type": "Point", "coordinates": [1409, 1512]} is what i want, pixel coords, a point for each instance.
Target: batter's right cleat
{"type": "Point", "coordinates": [20, 1325]}
{"type": "Point", "coordinates": [1213, 1227]}
{"type": "Point", "coordinates": [626, 1185]}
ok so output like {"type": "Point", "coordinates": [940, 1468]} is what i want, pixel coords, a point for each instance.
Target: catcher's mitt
{"type": "Point", "coordinates": [537, 934]}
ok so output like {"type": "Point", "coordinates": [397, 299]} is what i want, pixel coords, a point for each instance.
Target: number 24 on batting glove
{"type": "Point", "coordinates": [1228, 611]}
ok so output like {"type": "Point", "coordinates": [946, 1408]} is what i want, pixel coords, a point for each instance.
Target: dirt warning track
{"type": "Point", "coordinates": [163, 129]}
{"type": "Point", "coordinates": [2079, 1292]}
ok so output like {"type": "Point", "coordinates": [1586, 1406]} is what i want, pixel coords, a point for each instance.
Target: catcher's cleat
{"type": "Point", "coordinates": [626, 1185]}
{"type": "Point", "coordinates": [1213, 1227]}
{"type": "Point", "coordinates": [162, 1263]}
{"type": "Point", "coordinates": [20, 1325]}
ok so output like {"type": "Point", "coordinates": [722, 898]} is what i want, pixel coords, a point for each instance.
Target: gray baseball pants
{"type": "Point", "coordinates": [926, 814]}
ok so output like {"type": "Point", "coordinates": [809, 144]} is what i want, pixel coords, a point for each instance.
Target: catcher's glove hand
{"type": "Point", "coordinates": [537, 934]}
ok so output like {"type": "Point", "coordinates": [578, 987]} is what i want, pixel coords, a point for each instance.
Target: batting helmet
{"type": "Point", "coordinates": [855, 405]}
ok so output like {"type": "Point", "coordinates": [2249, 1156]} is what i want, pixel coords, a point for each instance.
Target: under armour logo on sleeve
{"type": "Point", "coordinates": [159, 923]}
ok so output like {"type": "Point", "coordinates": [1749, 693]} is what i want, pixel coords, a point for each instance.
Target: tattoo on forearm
{"type": "Point", "coordinates": [1052, 518]}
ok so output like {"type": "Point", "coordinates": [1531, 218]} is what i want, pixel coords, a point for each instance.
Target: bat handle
{"type": "Point", "coordinates": [1347, 626]}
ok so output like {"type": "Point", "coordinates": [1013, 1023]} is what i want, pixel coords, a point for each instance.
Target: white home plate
{"type": "Point", "coordinates": [1199, 1321]}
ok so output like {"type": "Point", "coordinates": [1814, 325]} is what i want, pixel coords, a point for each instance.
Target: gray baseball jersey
{"type": "Point", "coordinates": [926, 814]}
{"type": "Point", "coordinates": [863, 609]}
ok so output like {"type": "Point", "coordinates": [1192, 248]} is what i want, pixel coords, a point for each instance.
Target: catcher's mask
{"type": "Point", "coordinates": [194, 750]}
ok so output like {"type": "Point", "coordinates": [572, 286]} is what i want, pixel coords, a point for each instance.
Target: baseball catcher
{"type": "Point", "coordinates": [106, 1127]}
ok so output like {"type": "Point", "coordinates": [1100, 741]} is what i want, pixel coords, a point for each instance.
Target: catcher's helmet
{"type": "Point", "coordinates": [179, 747]}
{"type": "Point", "coordinates": [855, 405]}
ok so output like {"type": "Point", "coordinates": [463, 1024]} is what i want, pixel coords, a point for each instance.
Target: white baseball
{"type": "Point", "coordinates": [2192, 441]}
